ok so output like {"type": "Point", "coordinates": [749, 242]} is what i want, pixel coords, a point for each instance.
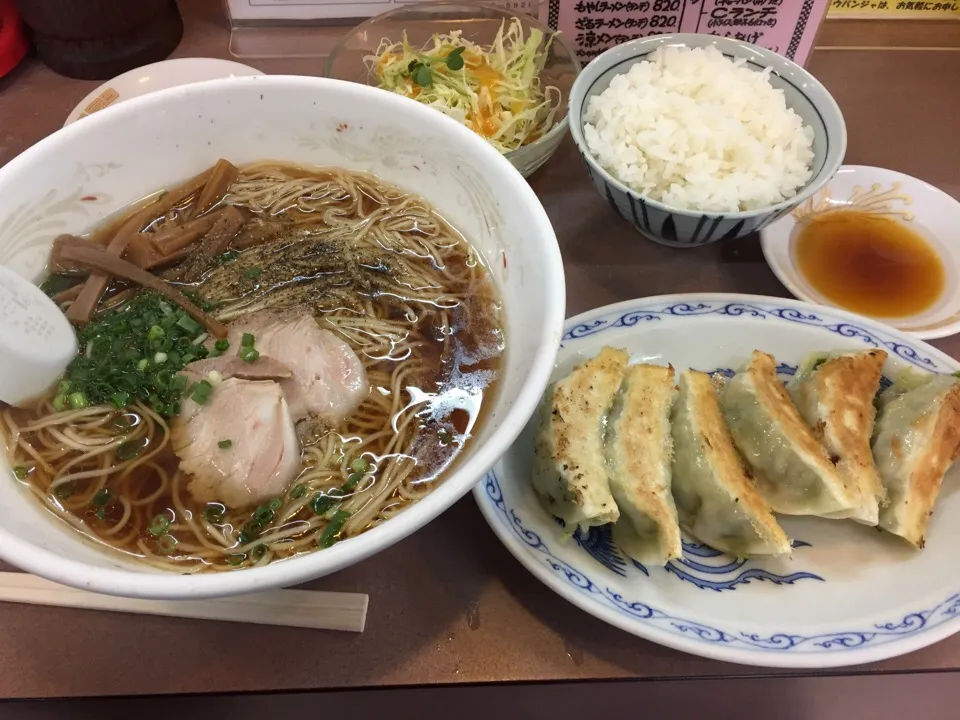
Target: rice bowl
{"type": "Point", "coordinates": [675, 226]}
{"type": "Point", "coordinates": [694, 130]}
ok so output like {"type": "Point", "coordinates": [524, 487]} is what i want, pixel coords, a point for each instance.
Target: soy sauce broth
{"type": "Point", "coordinates": [870, 264]}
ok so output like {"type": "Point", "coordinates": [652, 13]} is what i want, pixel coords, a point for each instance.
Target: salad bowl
{"type": "Point", "coordinates": [478, 24]}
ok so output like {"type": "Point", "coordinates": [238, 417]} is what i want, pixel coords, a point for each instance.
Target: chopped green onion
{"type": "Point", "coordinates": [102, 513]}
{"type": "Point", "coordinates": [252, 273]}
{"type": "Point", "coordinates": [249, 354]}
{"type": "Point", "coordinates": [120, 400]}
{"type": "Point", "coordinates": [247, 340]}
{"type": "Point", "coordinates": [298, 491]}
{"type": "Point", "coordinates": [101, 498]}
{"type": "Point", "coordinates": [258, 552]}
{"type": "Point", "coordinates": [360, 465]}
{"type": "Point", "coordinates": [352, 481]}
{"type": "Point", "coordinates": [329, 535]}
{"type": "Point", "coordinates": [275, 504]}
{"type": "Point", "coordinates": [202, 392]}
{"type": "Point", "coordinates": [178, 383]}
{"type": "Point", "coordinates": [263, 514]}
{"type": "Point", "coordinates": [64, 490]}
{"type": "Point", "coordinates": [222, 345]}
{"type": "Point", "coordinates": [214, 513]}
{"type": "Point", "coordinates": [131, 448]}
{"type": "Point", "coordinates": [133, 353]}
{"type": "Point", "coordinates": [189, 324]}
{"type": "Point", "coordinates": [225, 444]}
{"type": "Point", "coordinates": [323, 502]}
{"type": "Point", "coordinates": [167, 544]}
{"type": "Point", "coordinates": [235, 559]}
{"type": "Point", "coordinates": [20, 472]}
{"type": "Point", "coordinates": [78, 401]}
{"type": "Point", "coordinates": [159, 525]}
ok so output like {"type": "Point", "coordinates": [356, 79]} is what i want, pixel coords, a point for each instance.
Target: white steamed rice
{"type": "Point", "coordinates": [695, 130]}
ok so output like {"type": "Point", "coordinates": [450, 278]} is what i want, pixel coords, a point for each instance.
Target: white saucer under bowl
{"type": "Point", "coordinates": [928, 210]}
{"type": "Point", "coordinates": [158, 76]}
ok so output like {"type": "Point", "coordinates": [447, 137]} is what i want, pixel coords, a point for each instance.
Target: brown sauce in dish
{"type": "Point", "coordinates": [870, 264]}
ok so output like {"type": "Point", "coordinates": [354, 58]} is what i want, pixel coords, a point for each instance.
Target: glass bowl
{"type": "Point", "coordinates": [479, 24]}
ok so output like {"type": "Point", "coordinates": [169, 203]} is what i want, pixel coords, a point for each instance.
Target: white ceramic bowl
{"type": "Point", "coordinates": [922, 207]}
{"type": "Point", "coordinates": [157, 76]}
{"type": "Point", "coordinates": [79, 175]}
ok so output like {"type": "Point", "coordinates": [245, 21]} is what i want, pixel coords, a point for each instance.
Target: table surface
{"type": "Point", "coordinates": [449, 604]}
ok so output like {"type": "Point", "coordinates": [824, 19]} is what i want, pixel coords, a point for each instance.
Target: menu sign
{"type": "Point", "coordinates": [787, 27]}
{"type": "Point", "coordinates": [784, 26]}
{"type": "Point", "coordinates": [293, 11]}
{"type": "Point", "coordinates": [894, 9]}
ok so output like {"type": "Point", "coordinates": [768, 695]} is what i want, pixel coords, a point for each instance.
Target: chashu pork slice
{"type": "Point", "coordinates": [240, 447]}
{"type": "Point", "coordinates": [328, 380]}
{"type": "Point", "coordinates": [570, 470]}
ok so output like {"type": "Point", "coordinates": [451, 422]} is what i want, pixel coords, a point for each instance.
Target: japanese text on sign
{"type": "Point", "coordinates": [784, 26]}
{"type": "Point", "coordinates": [894, 8]}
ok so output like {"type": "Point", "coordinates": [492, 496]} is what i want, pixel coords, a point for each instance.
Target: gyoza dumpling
{"type": "Point", "coordinates": [915, 439]}
{"type": "Point", "coordinates": [639, 451]}
{"type": "Point", "coordinates": [716, 501]}
{"type": "Point", "coordinates": [570, 472]}
{"type": "Point", "coordinates": [835, 396]}
{"type": "Point", "coordinates": [792, 469]}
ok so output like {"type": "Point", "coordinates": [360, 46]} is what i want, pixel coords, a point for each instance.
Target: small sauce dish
{"type": "Point", "coordinates": [878, 243]}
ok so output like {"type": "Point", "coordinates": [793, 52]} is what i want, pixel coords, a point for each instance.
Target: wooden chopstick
{"type": "Point", "coordinates": [292, 608]}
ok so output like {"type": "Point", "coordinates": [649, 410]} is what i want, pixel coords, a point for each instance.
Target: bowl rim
{"type": "Point", "coordinates": [148, 583]}
{"type": "Point", "coordinates": [560, 125]}
{"type": "Point", "coordinates": [167, 68]}
{"type": "Point", "coordinates": [643, 47]}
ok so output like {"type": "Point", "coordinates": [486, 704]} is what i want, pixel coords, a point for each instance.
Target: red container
{"type": "Point", "coordinates": [13, 38]}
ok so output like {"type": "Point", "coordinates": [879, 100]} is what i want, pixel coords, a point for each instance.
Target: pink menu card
{"type": "Point", "coordinates": [787, 27]}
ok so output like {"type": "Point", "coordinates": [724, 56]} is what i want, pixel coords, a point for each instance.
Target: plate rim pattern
{"type": "Point", "coordinates": [907, 631]}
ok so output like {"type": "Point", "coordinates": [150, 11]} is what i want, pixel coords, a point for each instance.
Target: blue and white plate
{"type": "Point", "coordinates": [850, 594]}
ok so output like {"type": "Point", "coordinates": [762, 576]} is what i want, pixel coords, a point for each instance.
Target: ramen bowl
{"type": "Point", "coordinates": [87, 171]}
{"type": "Point", "coordinates": [479, 24]}
{"type": "Point", "coordinates": [684, 228]}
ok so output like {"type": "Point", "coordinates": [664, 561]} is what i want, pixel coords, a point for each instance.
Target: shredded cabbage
{"type": "Point", "coordinates": [495, 91]}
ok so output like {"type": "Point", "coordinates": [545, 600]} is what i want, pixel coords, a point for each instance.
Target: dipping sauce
{"type": "Point", "coordinates": [870, 264]}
